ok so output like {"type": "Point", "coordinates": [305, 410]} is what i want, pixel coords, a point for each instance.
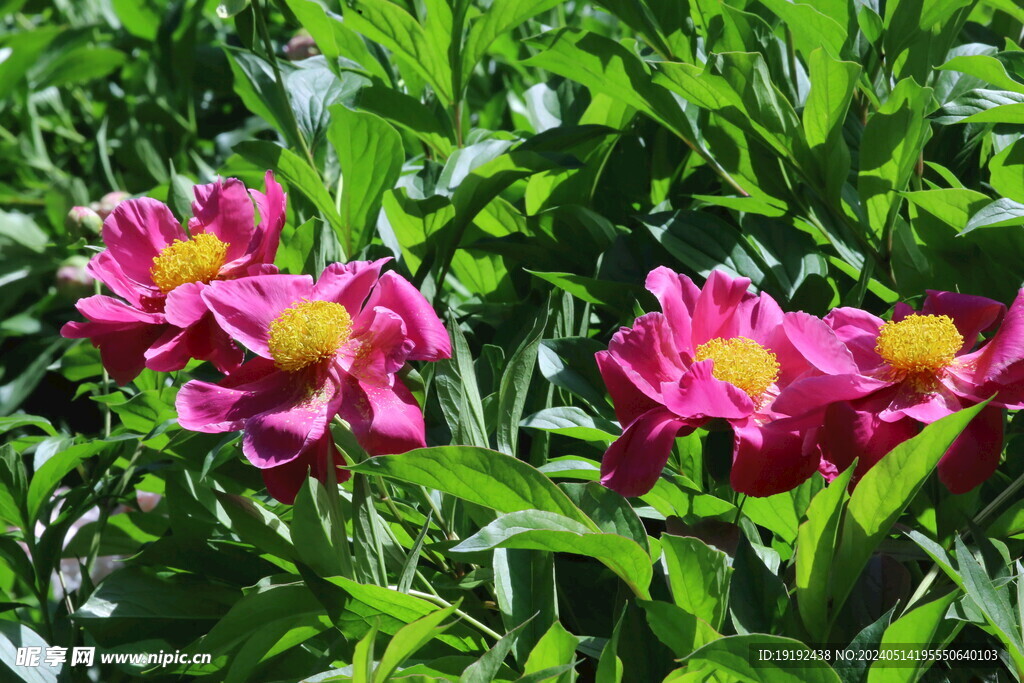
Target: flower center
{"type": "Point", "coordinates": [919, 344]}
{"type": "Point", "coordinates": [741, 362]}
{"type": "Point", "coordinates": [196, 260]}
{"type": "Point", "coordinates": [308, 332]}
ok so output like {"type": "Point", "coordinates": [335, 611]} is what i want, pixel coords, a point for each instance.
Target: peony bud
{"type": "Point", "coordinates": [301, 46]}
{"type": "Point", "coordinates": [83, 220]}
{"type": "Point", "coordinates": [73, 281]}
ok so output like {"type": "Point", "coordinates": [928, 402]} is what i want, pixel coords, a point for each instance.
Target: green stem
{"type": "Point", "coordinates": [483, 628]}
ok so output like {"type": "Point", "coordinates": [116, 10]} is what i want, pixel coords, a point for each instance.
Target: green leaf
{"type": "Point", "coordinates": [13, 488]}
{"type": "Point", "coordinates": [314, 91]}
{"type": "Point", "coordinates": [397, 30]}
{"type": "Point", "coordinates": [17, 421]}
{"type": "Point", "coordinates": [485, 669]}
{"type": "Point", "coordinates": [537, 530]}
{"type": "Point", "coordinates": [832, 86]}
{"type": "Point", "coordinates": [134, 595]}
{"type": "Point", "coordinates": [884, 492]}
{"type": "Point", "coordinates": [393, 610]}
{"type": "Point", "coordinates": [994, 603]}
{"type": "Point", "coordinates": [618, 296]}
{"type": "Point", "coordinates": [81, 65]}
{"type": "Point", "coordinates": [556, 648]}
{"type": "Point", "coordinates": [812, 29]}
{"type": "Point", "coordinates": [49, 475]}
{"type": "Point", "coordinates": [318, 531]}
{"type": "Point", "coordinates": [698, 576]}
{"type": "Point", "coordinates": [919, 625]}
{"type": "Point", "coordinates": [256, 525]}
{"type": "Point", "coordinates": [738, 656]}
{"type": "Point", "coordinates": [370, 155]}
{"type": "Point", "coordinates": [515, 385]}
{"type": "Point", "coordinates": [408, 640]}
{"type": "Point", "coordinates": [296, 173]}
{"type": "Point", "coordinates": [524, 584]}
{"type": "Point", "coordinates": [14, 636]}
{"type": "Point", "coordinates": [610, 511]}
{"type": "Point", "coordinates": [985, 67]}
{"type": "Point", "coordinates": [609, 665]}
{"type": "Point", "coordinates": [1007, 171]}
{"type": "Point", "coordinates": [334, 39]}
{"type": "Point", "coordinates": [677, 628]}
{"type": "Point", "coordinates": [815, 549]}
{"type": "Point", "coordinates": [489, 478]}
{"type": "Point", "coordinates": [572, 422]}
{"type": "Point", "coordinates": [501, 17]}
{"type": "Point", "coordinates": [999, 214]}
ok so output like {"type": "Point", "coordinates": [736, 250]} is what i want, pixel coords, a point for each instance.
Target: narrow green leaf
{"type": "Point", "coordinates": [408, 640]}
{"type": "Point", "coordinates": [740, 657]}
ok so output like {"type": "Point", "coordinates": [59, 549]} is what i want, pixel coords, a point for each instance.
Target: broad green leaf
{"type": "Point", "coordinates": [314, 91]}
{"type": "Point", "coordinates": [999, 214]}
{"type": "Point", "coordinates": [832, 86]}
{"type": "Point", "coordinates": [408, 640]}
{"type": "Point", "coordinates": [256, 525]}
{"type": "Point", "coordinates": [615, 295]}
{"type": "Point", "coordinates": [556, 648]}
{"type": "Point", "coordinates": [736, 655]}
{"type": "Point", "coordinates": [14, 636]}
{"type": "Point", "coordinates": [334, 39]}
{"type": "Point", "coordinates": [500, 17]}
{"type": "Point", "coordinates": [515, 385]}
{"type": "Point", "coordinates": [884, 492]}
{"type": "Point", "coordinates": [81, 65]}
{"type": "Point", "coordinates": [813, 29]}
{"type": "Point", "coordinates": [677, 628]}
{"type": "Point", "coordinates": [133, 594]}
{"type": "Point", "coordinates": [20, 50]}
{"type": "Point", "coordinates": [1007, 171]}
{"type": "Point", "coordinates": [524, 584]}
{"type": "Point", "coordinates": [610, 511]}
{"type": "Point", "coordinates": [993, 602]}
{"type": "Point", "coordinates": [318, 531]}
{"type": "Point", "coordinates": [537, 530]}
{"type": "Point", "coordinates": [892, 140]}
{"type": "Point", "coordinates": [815, 549]}
{"type": "Point", "coordinates": [952, 206]}
{"type": "Point", "coordinates": [17, 421]}
{"type": "Point", "coordinates": [393, 610]}
{"type": "Point", "coordinates": [698, 576]}
{"type": "Point", "coordinates": [919, 625]}
{"type": "Point", "coordinates": [13, 488]}
{"type": "Point", "coordinates": [485, 669]}
{"type": "Point", "coordinates": [370, 156]}
{"type": "Point", "coordinates": [396, 29]}
{"type": "Point", "coordinates": [489, 478]}
{"type": "Point", "coordinates": [987, 68]}
{"type": "Point", "coordinates": [49, 475]}
{"type": "Point", "coordinates": [572, 422]}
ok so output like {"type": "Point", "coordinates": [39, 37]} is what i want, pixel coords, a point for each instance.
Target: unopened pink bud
{"type": "Point", "coordinates": [109, 201]}
{"type": "Point", "coordinates": [301, 46]}
{"type": "Point", "coordinates": [83, 220]}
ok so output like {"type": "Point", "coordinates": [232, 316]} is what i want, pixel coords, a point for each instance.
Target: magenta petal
{"type": "Point", "coordinates": [818, 344]}
{"type": "Point", "coordinates": [758, 318]}
{"type": "Point", "coordinates": [423, 327]}
{"type": "Point", "coordinates": [272, 217]}
{"type": "Point", "coordinates": [281, 434]}
{"type": "Point", "coordinates": [974, 455]}
{"type": "Point", "coordinates": [926, 407]}
{"type": "Point", "coordinates": [810, 393]}
{"type": "Point", "coordinates": [112, 311]}
{"type": "Point", "coordinates": [380, 350]}
{"type": "Point", "coordinates": [184, 305]}
{"type": "Point", "coordinates": [122, 346]}
{"type": "Point", "coordinates": [771, 458]}
{"type": "Point", "coordinates": [678, 298]}
{"type": "Point", "coordinates": [854, 431]}
{"type": "Point", "coordinates": [284, 481]}
{"type": "Point", "coordinates": [224, 407]}
{"type": "Point", "coordinates": [859, 331]}
{"type": "Point", "coordinates": [972, 315]}
{"type": "Point", "coordinates": [349, 284]}
{"type": "Point", "coordinates": [715, 312]}
{"type": "Point", "coordinates": [136, 232]}
{"type": "Point", "coordinates": [202, 340]}
{"type": "Point", "coordinates": [223, 209]}
{"type": "Point", "coordinates": [385, 419]}
{"type": "Point", "coordinates": [245, 308]}
{"type": "Point", "coordinates": [628, 401]}
{"type": "Point", "coordinates": [105, 268]}
{"type": "Point", "coordinates": [647, 354]}
{"type": "Point", "coordinates": [170, 352]}
{"type": "Point", "coordinates": [699, 395]}
{"type": "Point", "coordinates": [1001, 359]}
{"type": "Point", "coordinates": [634, 461]}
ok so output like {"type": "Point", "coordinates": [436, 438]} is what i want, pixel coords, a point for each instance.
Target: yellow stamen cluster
{"type": "Point", "coordinates": [196, 260]}
{"type": "Point", "coordinates": [919, 344]}
{"type": "Point", "coordinates": [308, 332]}
{"type": "Point", "coordinates": [741, 362]}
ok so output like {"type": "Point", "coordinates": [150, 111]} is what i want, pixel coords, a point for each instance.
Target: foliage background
{"type": "Point", "coordinates": [526, 163]}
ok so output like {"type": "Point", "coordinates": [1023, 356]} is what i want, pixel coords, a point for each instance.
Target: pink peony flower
{"type": "Point", "coordinates": [325, 349]}
{"type": "Point", "coordinates": [926, 366]}
{"type": "Point", "coordinates": [720, 352]}
{"type": "Point", "coordinates": [161, 273]}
